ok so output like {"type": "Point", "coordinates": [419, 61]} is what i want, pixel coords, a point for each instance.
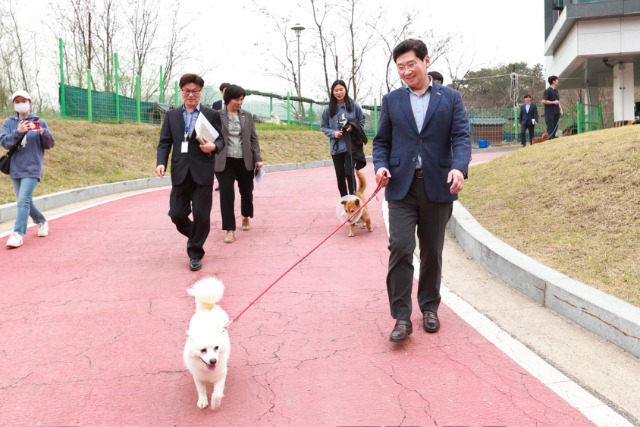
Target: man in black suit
{"type": "Point", "coordinates": [219, 104]}
{"type": "Point", "coordinates": [192, 164]}
{"type": "Point", "coordinates": [528, 119]}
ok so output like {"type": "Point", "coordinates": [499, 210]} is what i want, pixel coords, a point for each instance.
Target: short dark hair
{"type": "Point", "coordinates": [233, 92]}
{"type": "Point", "coordinates": [436, 76]}
{"type": "Point", "coordinates": [191, 78]}
{"type": "Point", "coordinates": [417, 46]}
{"type": "Point", "coordinates": [552, 78]}
{"type": "Point", "coordinates": [526, 96]}
{"type": "Point", "coordinates": [223, 86]}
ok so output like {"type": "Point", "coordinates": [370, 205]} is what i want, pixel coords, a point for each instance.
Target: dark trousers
{"type": "Point", "coordinates": [430, 218]}
{"type": "Point", "coordinates": [523, 133]}
{"type": "Point", "coordinates": [186, 198]}
{"type": "Point", "coordinates": [552, 120]}
{"type": "Point", "coordinates": [343, 165]}
{"type": "Point", "coordinates": [235, 170]}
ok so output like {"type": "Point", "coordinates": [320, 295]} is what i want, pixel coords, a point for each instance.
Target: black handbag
{"type": "Point", "coordinates": [5, 161]}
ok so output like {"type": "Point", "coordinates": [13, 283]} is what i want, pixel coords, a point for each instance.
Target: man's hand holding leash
{"type": "Point", "coordinates": [382, 177]}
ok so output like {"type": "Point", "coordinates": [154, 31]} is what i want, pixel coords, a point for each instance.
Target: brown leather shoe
{"type": "Point", "coordinates": [430, 322]}
{"type": "Point", "coordinates": [245, 223]}
{"type": "Point", "coordinates": [401, 331]}
{"type": "Point", "coordinates": [230, 237]}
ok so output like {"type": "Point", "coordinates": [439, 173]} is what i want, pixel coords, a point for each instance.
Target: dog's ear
{"type": "Point", "coordinates": [357, 202]}
{"type": "Point", "coordinates": [344, 202]}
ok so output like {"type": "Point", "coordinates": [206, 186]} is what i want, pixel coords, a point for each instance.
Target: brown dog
{"type": "Point", "coordinates": [351, 206]}
{"type": "Point", "coordinates": [538, 140]}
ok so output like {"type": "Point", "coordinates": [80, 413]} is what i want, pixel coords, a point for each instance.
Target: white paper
{"type": "Point", "coordinates": [204, 129]}
{"type": "Point", "coordinates": [259, 175]}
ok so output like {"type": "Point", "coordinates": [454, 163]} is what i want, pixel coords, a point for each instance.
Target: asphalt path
{"type": "Point", "coordinates": [93, 320]}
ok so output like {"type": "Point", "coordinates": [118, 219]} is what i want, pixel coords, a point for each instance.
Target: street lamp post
{"type": "Point", "coordinates": [298, 29]}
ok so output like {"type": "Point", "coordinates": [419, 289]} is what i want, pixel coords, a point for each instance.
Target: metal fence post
{"type": "Point", "coordinates": [375, 115]}
{"type": "Point", "coordinates": [580, 117]}
{"type": "Point", "coordinates": [161, 98]}
{"type": "Point", "coordinates": [117, 81]}
{"type": "Point", "coordinates": [288, 109]}
{"type": "Point", "coordinates": [63, 103]}
{"type": "Point", "coordinates": [138, 99]}
{"type": "Point", "coordinates": [89, 106]}
{"type": "Point", "coordinates": [515, 124]}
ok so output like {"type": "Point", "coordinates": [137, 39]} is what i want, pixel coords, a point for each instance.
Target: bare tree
{"type": "Point", "coordinates": [174, 53]}
{"type": "Point", "coordinates": [320, 13]}
{"type": "Point", "coordinates": [19, 68]}
{"type": "Point", "coordinates": [74, 29]}
{"type": "Point", "coordinates": [143, 23]}
{"type": "Point", "coordinates": [106, 30]}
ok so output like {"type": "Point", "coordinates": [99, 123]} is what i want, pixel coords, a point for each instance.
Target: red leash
{"type": "Point", "coordinates": [228, 325]}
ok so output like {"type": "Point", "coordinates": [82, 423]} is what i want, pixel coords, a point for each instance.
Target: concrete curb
{"type": "Point", "coordinates": [606, 316]}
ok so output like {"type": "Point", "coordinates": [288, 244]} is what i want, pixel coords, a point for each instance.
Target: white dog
{"type": "Point", "coordinates": [207, 349]}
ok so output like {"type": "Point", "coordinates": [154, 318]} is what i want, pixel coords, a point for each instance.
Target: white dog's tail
{"type": "Point", "coordinates": [207, 293]}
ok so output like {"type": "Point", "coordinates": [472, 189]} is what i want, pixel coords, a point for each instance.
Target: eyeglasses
{"type": "Point", "coordinates": [191, 92]}
{"type": "Point", "coordinates": [409, 67]}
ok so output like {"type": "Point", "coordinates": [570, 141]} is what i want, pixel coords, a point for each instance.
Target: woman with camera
{"type": "Point", "coordinates": [336, 119]}
{"type": "Point", "coordinates": [32, 136]}
{"type": "Point", "coordinates": [238, 161]}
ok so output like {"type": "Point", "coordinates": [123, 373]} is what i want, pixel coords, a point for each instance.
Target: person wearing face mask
{"type": "Point", "coordinates": [341, 109]}
{"type": "Point", "coordinates": [33, 137]}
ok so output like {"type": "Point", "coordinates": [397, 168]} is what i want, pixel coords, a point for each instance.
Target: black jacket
{"type": "Point", "coordinates": [355, 145]}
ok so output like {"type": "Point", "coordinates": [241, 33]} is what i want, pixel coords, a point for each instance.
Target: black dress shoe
{"type": "Point", "coordinates": [195, 264]}
{"type": "Point", "coordinates": [401, 331]}
{"type": "Point", "coordinates": [430, 322]}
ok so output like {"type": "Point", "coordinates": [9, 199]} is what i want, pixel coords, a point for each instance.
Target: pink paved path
{"type": "Point", "coordinates": [93, 320]}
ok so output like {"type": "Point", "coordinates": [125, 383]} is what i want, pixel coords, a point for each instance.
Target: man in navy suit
{"type": "Point", "coordinates": [219, 104]}
{"type": "Point", "coordinates": [421, 155]}
{"type": "Point", "coordinates": [192, 164]}
{"type": "Point", "coordinates": [528, 119]}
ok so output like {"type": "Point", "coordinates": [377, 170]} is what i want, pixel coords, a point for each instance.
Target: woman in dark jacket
{"type": "Point", "coordinates": [238, 161]}
{"type": "Point", "coordinates": [341, 110]}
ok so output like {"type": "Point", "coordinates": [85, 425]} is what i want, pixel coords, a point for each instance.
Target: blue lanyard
{"type": "Point", "coordinates": [191, 117]}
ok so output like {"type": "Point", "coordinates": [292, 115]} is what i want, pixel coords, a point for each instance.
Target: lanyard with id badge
{"type": "Point", "coordinates": [187, 130]}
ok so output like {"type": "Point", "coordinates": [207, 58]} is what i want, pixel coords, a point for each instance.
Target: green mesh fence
{"type": "Point", "coordinates": [493, 125]}
{"type": "Point", "coordinates": [103, 106]}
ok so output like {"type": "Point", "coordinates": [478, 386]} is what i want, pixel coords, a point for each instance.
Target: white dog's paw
{"type": "Point", "coordinates": [215, 403]}
{"type": "Point", "coordinates": [202, 402]}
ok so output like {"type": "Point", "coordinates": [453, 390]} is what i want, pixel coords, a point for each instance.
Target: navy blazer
{"type": "Point", "coordinates": [444, 142]}
{"type": "Point", "coordinates": [200, 164]}
{"type": "Point", "coordinates": [524, 118]}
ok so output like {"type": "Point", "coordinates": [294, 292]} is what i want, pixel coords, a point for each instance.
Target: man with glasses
{"type": "Point", "coordinates": [192, 165]}
{"type": "Point", "coordinates": [421, 155]}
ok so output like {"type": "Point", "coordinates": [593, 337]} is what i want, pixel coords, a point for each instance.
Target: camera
{"type": "Point", "coordinates": [36, 125]}
{"type": "Point", "coordinates": [343, 122]}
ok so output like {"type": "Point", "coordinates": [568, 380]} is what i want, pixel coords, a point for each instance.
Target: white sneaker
{"type": "Point", "coordinates": [43, 229]}
{"type": "Point", "coordinates": [15, 240]}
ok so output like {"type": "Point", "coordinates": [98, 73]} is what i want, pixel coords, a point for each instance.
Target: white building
{"type": "Point", "coordinates": [595, 43]}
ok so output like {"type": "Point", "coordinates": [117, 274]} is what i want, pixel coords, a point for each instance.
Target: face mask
{"type": "Point", "coordinates": [22, 107]}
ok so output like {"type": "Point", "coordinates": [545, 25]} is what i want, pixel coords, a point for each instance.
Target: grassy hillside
{"type": "Point", "coordinates": [572, 204]}
{"type": "Point", "coordinates": [97, 153]}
